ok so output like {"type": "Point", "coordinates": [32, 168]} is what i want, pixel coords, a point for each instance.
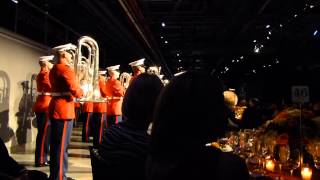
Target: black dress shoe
{"type": "Point", "coordinates": [41, 165]}
{"type": "Point", "coordinates": [46, 163]}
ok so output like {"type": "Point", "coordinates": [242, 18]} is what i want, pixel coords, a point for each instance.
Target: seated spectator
{"type": "Point", "coordinates": [190, 112]}
{"type": "Point", "coordinates": [123, 151]}
{"type": "Point", "coordinates": [11, 170]}
{"type": "Point", "coordinates": [252, 115]}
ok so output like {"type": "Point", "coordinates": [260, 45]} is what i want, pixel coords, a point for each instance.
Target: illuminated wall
{"type": "Point", "coordinates": [18, 61]}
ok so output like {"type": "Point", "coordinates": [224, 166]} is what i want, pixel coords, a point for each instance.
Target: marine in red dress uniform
{"type": "Point", "coordinates": [115, 93]}
{"type": "Point", "coordinates": [61, 109]}
{"type": "Point", "coordinates": [137, 68]}
{"type": "Point", "coordinates": [40, 108]}
{"type": "Point", "coordinates": [99, 111]}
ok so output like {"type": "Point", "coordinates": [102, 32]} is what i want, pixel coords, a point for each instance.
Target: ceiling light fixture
{"type": "Point", "coordinates": [315, 32]}
{"type": "Point", "coordinates": [163, 24]}
{"type": "Point", "coordinates": [257, 48]}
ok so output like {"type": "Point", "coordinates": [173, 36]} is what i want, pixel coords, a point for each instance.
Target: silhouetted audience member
{"type": "Point", "coordinates": [124, 147]}
{"type": "Point", "coordinates": [11, 170]}
{"type": "Point", "coordinates": [252, 115]}
{"type": "Point", "coordinates": [190, 112]}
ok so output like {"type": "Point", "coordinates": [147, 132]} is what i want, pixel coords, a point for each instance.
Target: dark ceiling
{"type": "Point", "coordinates": [205, 34]}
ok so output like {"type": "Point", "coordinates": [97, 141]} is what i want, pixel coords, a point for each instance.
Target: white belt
{"type": "Point", "coordinates": [44, 94]}
{"type": "Point", "coordinates": [60, 94]}
{"type": "Point", "coordinates": [114, 98]}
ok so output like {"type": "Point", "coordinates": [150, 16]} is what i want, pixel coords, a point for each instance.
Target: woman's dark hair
{"type": "Point", "coordinates": [139, 100]}
{"type": "Point", "coordinates": [189, 113]}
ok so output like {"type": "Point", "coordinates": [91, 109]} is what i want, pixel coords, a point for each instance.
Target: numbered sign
{"type": "Point", "coordinates": [300, 94]}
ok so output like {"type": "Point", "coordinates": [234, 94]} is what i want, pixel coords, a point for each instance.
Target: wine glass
{"type": "Point", "coordinates": [294, 161]}
{"type": "Point", "coordinates": [315, 152]}
{"type": "Point", "coordinates": [284, 154]}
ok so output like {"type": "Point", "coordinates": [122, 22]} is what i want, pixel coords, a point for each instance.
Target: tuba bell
{"type": "Point", "coordinates": [86, 67]}
{"type": "Point", "coordinates": [125, 79]}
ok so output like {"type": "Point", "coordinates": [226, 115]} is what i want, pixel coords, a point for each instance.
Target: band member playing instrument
{"type": "Point", "coordinates": [41, 110]}
{"type": "Point", "coordinates": [99, 111]}
{"type": "Point", "coordinates": [115, 93]}
{"type": "Point", "coordinates": [137, 68]}
{"type": "Point", "coordinates": [61, 109]}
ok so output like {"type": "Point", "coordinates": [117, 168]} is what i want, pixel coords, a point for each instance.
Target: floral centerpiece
{"type": "Point", "coordinates": [285, 128]}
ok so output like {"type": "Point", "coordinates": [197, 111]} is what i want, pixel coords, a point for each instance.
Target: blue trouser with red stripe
{"type": "Point", "coordinates": [87, 126]}
{"type": "Point", "coordinates": [60, 138]}
{"type": "Point", "coordinates": [98, 122]}
{"type": "Point", "coordinates": [43, 138]}
{"type": "Point", "coordinates": [113, 119]}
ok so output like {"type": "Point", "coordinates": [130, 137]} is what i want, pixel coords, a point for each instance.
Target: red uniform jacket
{"type": "Point", "coordinates": [135, 76]}
{"type": "Point", "coordinates": [87, 107]}
{"type": "Point", "coordinates": [62, 79]}
{"type": "Point", "coordinates": [115, 92]}
{"type": "Point", "coordinates": [43, 86]}
{"type": "Point", "coordinates": [101, 107]}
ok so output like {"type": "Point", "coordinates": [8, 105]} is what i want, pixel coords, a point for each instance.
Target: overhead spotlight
{"type": "Point", "coordinates": [269, 32]}
{"type": "Point", "coordinates": [178, 54]}
{"type": "Point", "coordinates": [311, 6]}
{"type": "Point", "coordinates": [241, 57]}
{"type": "Point", "coordinates": [163, 24]}
{"type": "Point", "coordinates": [237, 60]}
{"type": "Point", "coordinates": [254, 71]}
{"type": "Point", "coordinates": [269, 65]}
{"type": "Point", "coordinates": [268, 37]}
{"type": "Point", "coordinates": [161, 37]}
{"type": "Point", "coordinates": [280, 25]}
{"type": "Point", "coordinates": [254, 41]}
{"type": "Point", "coordinates": [315, 32]}
{"type": "Point", "coordinates": [15, 1]}
{"type": "Point", "coordinates": [232, 60]}
{"type": "Point", "coordinates": [179, 60]}
{"type": "Point", "coordinates": [296, 15]}
{"type": "Point", "coordinates": [264, 66]}
{"type": "Point", "coordinates": [267, 26]}
{"type": "Point", "coordinates": [277, 61]}
{"type": "Point", "coordinates": [166, 42]}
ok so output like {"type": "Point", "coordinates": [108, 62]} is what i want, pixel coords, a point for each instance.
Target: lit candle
{"type": "Point", "coordinates": [306, 173]}
{"type": "Point", "coordinates": [270, 165]}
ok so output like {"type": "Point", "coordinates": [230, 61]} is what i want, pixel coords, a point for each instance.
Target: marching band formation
{"type": "Point", "coordinates": [72, 87]}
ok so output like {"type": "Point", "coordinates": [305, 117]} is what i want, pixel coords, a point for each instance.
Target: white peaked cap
{"type": "Point", "coordinates": [112, 68]}
{"type": "Point", "coordinates": [64, 47]}
{"type": "Point", "coordinates": [179, 73]}
{"type": "Point", "coordinates": [137, 62]}
{"type": "Point", "coordinates": [45, 58]}
{"type": "Point", "coordinates": [102, 72]}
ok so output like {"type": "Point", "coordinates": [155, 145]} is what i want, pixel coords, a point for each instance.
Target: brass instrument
{"type": "Point", "coordinates": [125, 79]}
{"type": "Point", "coordinates": [154, 70]}
{"type": "Point", "coordinates": [86, 67]}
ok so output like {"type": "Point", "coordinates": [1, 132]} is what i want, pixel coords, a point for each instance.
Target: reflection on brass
{"type": "Point", "coordinates": [87, 69]}
{"type": "Point", "coordinates": [125, 79]}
